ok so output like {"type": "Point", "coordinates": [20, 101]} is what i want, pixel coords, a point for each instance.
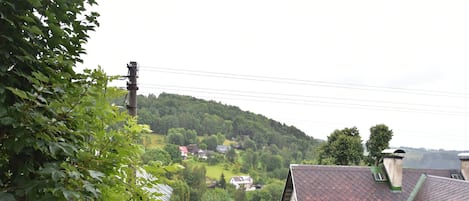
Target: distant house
{"type": "Point", "coordinates": [222, 148]}
{"type": "Point", "coordinates": [201, 154]}
{"type": "Point", "coordinates": [237, 146]}
{"type": "Point", "coordinates": [193, 149]}
{"type": "Point", "coordinates": [184, 151]}
{"type": "Point", "coordinates": [389, 181]}
{"type": "Point", "coordinates": [242, 182]}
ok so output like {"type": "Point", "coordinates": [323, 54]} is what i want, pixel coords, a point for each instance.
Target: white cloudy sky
{"type": "Point", "coordinates": [317, 65]}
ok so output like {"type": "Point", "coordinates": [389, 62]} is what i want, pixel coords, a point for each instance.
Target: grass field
{"type": "Point", "coordinates": [152, 141]}
{"type": "Point", "coordinates": [214, 172]}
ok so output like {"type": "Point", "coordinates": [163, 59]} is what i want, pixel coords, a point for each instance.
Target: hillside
{"type": "Point", "coordinates": [435, 159]}
{"type": "Point", "coordinates": [208, 118]}
{"type": "Point", "coordinates": [258, 146]}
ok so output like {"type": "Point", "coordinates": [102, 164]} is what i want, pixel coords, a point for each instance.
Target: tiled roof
{"type": "Point", "coordinates": [242, 179]}
{"type": "Point", "coordinates": [183, 149]}
{"type": "Point", "coordinates": [317, 182]}
{"type": "Point", "coordinates": [441, 189]}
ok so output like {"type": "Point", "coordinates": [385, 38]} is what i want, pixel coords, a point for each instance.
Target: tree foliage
{"type": "Point", "coordinates": [209, 118]}
{"type": "Point", "coordinates": [60, 138]}
{"type": "Point", "coordinates": [231, 155]}
{"type": "Point", "coordinates": [343, 147]}
{"type": "Point", "coordinates": [380, 135]}
{"type": "Point", "coordinates": [194, 175]}
{"type": "Point", "coordinates": [158, 155]}
{"type": "Point", "coordinates": [222, 181]}
{"type": "Point", "coordinates": [216, 194]}
{"type": "Point", "coordinates": [174, 152]}
{"type": "Point", "coordinates": [181, 136]}
{"type": "Point", "coordinates": [211, 142]}
{"type": "Point", "coordinates": [271, 191]}
{"type": "Point", "coordinates": [181, 191]}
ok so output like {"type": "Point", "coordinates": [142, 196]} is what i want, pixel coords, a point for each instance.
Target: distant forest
{"type": "Point", "coordinates": [435, 159]}
{"type": "Point", "coordinates": [209, 118]}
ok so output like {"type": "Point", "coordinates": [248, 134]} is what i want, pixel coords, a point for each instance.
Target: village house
{"type": "Point", "coordinates": [222, 148]}
{"type": "Point", "coordinates": [389, 181]}
{"type": "Point", "coordinates": [202, 154]}
{"type": "Point", "coordinates": [242, 182]}
{"type": "Point", "coordinates": [184, 151]}
{"type": "Point", "coordinates": [193, 149]}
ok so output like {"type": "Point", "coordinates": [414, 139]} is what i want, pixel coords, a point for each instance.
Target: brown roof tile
{"type": "Point", "coordinates": [441, 189]}
{"type": "Point", "coordinates": [317, 182]}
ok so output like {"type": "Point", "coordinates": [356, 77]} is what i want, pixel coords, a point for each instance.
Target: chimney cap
{"type": "Point", "coordinates": [463, 156]}
{"type": "Point", "coordinates": [393, 153]}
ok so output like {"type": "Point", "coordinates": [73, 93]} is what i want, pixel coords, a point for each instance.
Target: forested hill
{"type": "Point", "coordinates": [208, 117]}
{"type": "Point", "coordinates": [435, 159]}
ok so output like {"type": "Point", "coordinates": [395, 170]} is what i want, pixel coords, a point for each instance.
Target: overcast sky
{"type": "Point", "coordinates": [316, 65]}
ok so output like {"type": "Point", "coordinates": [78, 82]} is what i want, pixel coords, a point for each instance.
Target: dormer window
{"type": "Point", "coordinates": [379, 177]}
{"type": "Point", "coordinates": [457, 176]}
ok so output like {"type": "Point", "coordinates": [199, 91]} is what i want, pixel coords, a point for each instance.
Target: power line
{"type": "Point", "coordinates": [318, 103]}
{"type": "Point", "coordinates": [306, 82]}
{"type": "Point", "coordinates": [280, 95]}
{"type": "Point", "coordinates": [407, 133]}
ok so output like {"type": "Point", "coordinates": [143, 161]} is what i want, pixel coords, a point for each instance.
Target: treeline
{"type": "Point", "coordinates": [438, 159]}
{"type": "Point", "coordinates": [208, 118]}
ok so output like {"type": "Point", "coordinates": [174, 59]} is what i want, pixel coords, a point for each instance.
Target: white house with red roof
{"type": "Point", "coordinates": [184, 151]}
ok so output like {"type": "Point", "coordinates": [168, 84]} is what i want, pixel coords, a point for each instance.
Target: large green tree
{"type": "Point", "coordinates": [380, 135]}
{"type": "Point", "coordinates": [222, 181]}
{"type": "Point", "coordinates": [174, 152]}
{"type": "Point", "coordinates": [211, 142]}
{"type": "Point", "coordinates": [181, 136]}
{"type": "Point", "coordinates": [159, 155]}
{"type": "Point", "coordinates": [194, 175]}
{"type": "Point", "coordinates": [231, 155]}
{"type": "Point", "coordinates": [343, 147]}
{"type": "Point", "coordinates": [60, 139]}
{"type": "Point", "coordinates": [216, 194]}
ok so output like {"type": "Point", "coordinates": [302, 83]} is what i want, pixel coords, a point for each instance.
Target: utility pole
{"type": "Point", "coordinates": [132, 106]}
{"type": "Point", "coordinates": [132, 88]}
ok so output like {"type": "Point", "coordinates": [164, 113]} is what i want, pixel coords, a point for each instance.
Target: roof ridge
{"type": "Point", "coordinates": [447, 178]}
{"type": "Point", "coordinates": [306, 165]}
{"type": "Point", "coordinates": [437, 169]}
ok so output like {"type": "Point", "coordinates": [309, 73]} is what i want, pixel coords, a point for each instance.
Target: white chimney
{"type": "Point", "coordinates": [392, 161]}
{"type": "Point", "coordinates": [464, 157]}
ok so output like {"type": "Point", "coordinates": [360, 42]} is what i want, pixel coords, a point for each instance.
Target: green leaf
{"type": "Point", "coordinates": [71, 195]}
{"type": "Point", "coordinates": [96, 174]}
{"type": "Point", "coordinates": [33, 29]}
{"type": "Point", "coordinates": [6, 197]}
{"type": "Point", "coordinates": [40, 76]}
{"type": "Point", "coordinates": [35, 3]}
{"type": "Point", "coordinates": [53, 148]}
{"type": "Point", "coordinates": [91, 188]}
{"type": "Point", "coordinates": [57, 175]}
{"type": "Point", "coordinates": [7, 120]}
{"type": "Point", "coordinates": [20, 93]}
{"type": "Point", "coordinates": [10, 39]}
{"type": "Point", "coordinates": [67, 148]}
{"type": "Point", "coordinates": [26, 18]}
{"type": "Point", "coordinates": [3, 111]}
{"type": "Point", "coordinates": [42, 99]}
